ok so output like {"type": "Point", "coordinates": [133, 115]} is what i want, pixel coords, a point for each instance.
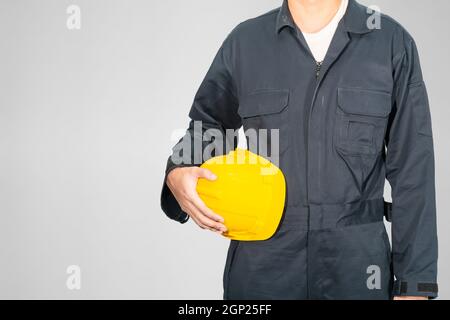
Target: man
{"type": "Point", "coordinates": [347, 95]}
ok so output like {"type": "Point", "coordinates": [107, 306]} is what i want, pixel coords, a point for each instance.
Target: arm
{"type": "Point", "coordinates": [410, 171]}
{"type": "Point", "coordinates": [215, 106]}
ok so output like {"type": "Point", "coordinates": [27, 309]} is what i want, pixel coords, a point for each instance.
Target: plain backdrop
{"type": "Point", "coordinates": [87, 119]}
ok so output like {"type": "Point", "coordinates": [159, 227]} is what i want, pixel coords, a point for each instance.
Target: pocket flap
{"type": "Point", "coordinates": [364, 102]}
{"type": "Point", "coordinates": [265, 102]}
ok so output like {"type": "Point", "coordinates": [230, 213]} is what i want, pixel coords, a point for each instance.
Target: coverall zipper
{"type": "Point", "coordinates": [318, 67]}
{"type": "Point", "coordinates": [308, 113]}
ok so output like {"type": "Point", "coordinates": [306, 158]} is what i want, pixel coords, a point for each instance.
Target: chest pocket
{"type": "Point", "coordinates": [361, 120]}
{"type": "Point", "coordinates": [264, 115]}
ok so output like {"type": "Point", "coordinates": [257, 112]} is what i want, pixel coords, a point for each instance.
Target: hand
{"type": "Point", "coordinates": [183, 184]}
{"type": "Point", "coordinates": [410, 298]}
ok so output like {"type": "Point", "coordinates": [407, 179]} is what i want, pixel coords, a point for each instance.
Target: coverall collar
{"type": "Point", "coordinates": [355, 18]}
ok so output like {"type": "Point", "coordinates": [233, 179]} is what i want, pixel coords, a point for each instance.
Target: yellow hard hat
{"type": "Point", "coordinates": [249, 193]}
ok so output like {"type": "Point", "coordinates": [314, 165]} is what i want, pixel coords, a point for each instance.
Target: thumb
{"type": "Point", "coordinates": [206, 174]}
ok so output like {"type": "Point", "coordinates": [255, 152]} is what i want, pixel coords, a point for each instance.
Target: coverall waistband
{"type": "Point", "coordinates": [331, 216]}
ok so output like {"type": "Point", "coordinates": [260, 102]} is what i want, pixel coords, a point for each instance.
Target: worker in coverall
{"type": "Point", "coordinates": [345, 124]}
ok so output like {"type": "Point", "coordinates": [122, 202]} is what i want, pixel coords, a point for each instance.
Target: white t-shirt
{"type": "Point", "coordinates": [319, 42]}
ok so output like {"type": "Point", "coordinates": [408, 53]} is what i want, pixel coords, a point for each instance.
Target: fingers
{"type": "Point", "coordinates": [206, 215]}
{"type": "Point", "coordinates": [201, 206]}
{"type": "Point", "coordinates": [183, 184]}
{"type": "Point", "coordinates": [206, 221]}
{"type": "Point", "coordinates": [205, 174]}
{"type": "Point", "coordinates": [203, 221]}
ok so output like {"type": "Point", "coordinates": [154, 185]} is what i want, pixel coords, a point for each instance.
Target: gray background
{"type": "Point", "coordinates": [86, 119]}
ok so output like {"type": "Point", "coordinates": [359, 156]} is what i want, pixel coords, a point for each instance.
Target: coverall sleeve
{"type": "Point", "coordinates": [410, 170]}
{"type": "Point", "coordinates": [215, 106]}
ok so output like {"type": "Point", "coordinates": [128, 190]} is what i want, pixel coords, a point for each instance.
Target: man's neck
{"type": "Point", "coordinates": [313, 15]}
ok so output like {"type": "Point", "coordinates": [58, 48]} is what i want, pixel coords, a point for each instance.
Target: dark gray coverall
{"type": "Point", "coordinates": [361, 117]}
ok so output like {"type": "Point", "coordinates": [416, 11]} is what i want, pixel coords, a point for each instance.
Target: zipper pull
{"type": "Point", "coordinates": [318, 67]}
